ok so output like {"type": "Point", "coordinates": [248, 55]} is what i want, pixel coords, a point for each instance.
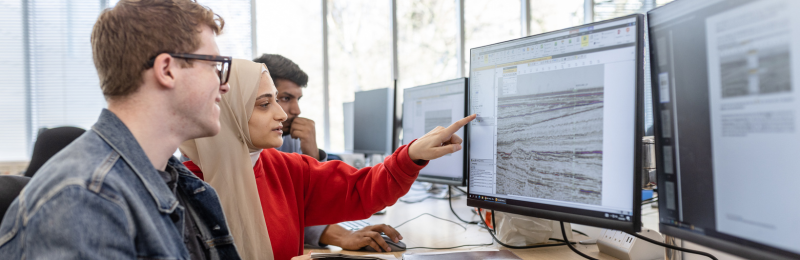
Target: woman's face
{"type": "Point", "coordinates": [265, 122]}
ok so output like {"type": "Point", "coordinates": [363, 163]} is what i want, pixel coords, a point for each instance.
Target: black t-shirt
{"type": "Point", "coordinates": [191, 233]}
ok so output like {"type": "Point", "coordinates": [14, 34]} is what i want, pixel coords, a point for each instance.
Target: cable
{"type": "Point", "coordinates": [450, 201]}
{"type": "Point", "coordinates": [423, 214]}
{"type": "Point", "coordinates": [494, 224]}
{"type": "Point", "coordinates": [491, 232]}
{"type": "Point", "coordinates": [579, 232]}
{"type": "Point", "coordinates": [673, 247]}
{"type": "Point", "coordinates": [422, 247]}
{"type": "Point", "coordinates": [564, 234]}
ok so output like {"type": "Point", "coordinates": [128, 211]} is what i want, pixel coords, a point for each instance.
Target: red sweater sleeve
{"type": "Point", "coordinates": [337, 192]}
{"type": "Point", "coordinates": [334, 191]}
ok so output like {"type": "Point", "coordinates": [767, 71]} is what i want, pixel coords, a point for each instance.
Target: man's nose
{"type": "Point", "coordinates": [296, 108]}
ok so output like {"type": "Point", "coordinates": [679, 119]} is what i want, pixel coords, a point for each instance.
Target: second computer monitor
{"type": "Point", "coordinates": [425, 108]}
{"type": "Point", "coordinates": [373, 121]}
{"type": "Point", "coordinates": [558, 132]}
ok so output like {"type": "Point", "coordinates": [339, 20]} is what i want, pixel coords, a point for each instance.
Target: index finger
{"type": "Point", "coordinates": [450, 130]}
{"type": "Point", "coordinates": [389, 231]}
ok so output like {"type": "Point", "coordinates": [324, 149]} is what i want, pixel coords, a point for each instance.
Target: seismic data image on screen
{"type": "Point", "coordinates": [550, 134]}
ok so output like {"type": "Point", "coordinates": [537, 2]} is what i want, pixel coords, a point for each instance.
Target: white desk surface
{"type": "Point", "coordinates": [427, 231]}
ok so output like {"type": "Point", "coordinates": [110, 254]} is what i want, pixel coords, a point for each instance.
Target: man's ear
{"type": "Point", "coordinates": [164, 69]}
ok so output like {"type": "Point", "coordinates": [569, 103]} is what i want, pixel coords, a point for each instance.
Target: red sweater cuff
{"type": "Point", "coordinates": [404, 161]}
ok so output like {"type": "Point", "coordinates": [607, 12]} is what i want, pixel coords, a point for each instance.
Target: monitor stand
{"type": "Point", "coordinates": [438, 191]}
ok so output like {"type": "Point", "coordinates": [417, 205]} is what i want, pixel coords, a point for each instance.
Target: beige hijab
{"type": "Point", "coordinates": [225, 162]}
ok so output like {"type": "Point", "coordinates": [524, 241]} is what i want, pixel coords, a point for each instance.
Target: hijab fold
{"type": "Point", "coordinates": [226, 164]}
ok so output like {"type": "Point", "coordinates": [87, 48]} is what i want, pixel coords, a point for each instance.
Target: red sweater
{"type": "Point", "coordinates": [298, 191]}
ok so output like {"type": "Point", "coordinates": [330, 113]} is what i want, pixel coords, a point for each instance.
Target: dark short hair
{"type": "Point", "coordinates": [282, 68]}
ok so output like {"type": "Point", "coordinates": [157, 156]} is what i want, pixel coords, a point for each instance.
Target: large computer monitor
{"type": "Point", "coordinates": [727, 102]}
{"type": "Point", "coordinates": [428, 106]}
{"type": "Point", "coordinates": [558, 133]}
{"type": "Point", "coordinates": [373, 121]}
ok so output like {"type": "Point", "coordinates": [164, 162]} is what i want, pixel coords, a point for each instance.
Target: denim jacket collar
{"type": "Point", "coordinates": [119, 137]}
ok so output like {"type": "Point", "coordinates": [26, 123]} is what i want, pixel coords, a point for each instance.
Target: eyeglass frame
{"type": "Point", "coordinates": [223, 59]}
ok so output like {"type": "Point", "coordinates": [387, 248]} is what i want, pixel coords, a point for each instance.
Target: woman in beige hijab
{"type": "Point", "coordinates": [270, 196]}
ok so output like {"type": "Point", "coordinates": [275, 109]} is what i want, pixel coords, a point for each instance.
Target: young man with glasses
{"type": "Point", "coordinates": [116, 192]}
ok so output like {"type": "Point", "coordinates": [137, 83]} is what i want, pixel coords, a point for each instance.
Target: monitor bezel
{"type": "Point", "coordinates": [729, 244]}
{"type": "Point", "coordinates": [572, 215]}
{"type": "Point", "coordinates": [430, 178]}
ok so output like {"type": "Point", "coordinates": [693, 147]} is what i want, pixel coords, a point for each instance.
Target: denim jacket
{"type": "Point", "coordinates": [101, 198]}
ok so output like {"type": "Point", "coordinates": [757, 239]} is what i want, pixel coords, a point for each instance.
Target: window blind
{"type": "Point", "coordinates": [64, 87]}
{"type": "Point", "coordinates": [49, 78]}
{"type": "Point", "coordinates": [13, 131]}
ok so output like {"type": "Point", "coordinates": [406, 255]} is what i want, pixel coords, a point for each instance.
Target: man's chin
{"type": "Point", "coordinates": [286, 131]}
{"type": "Point", "coordinates": [212, 129]}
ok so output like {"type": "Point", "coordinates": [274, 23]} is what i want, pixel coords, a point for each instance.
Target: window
{"type": "Point", "coordinates": [64, 87]}
{"type": "Point", "coordinates": [427, 42]}
{"type": "Point", "coordinates": [293, 29]}
{"type": "Point", "coordinates": [360, 48]}
{"type": "Point", "coordinates": [608, 9]}
{"type": "Point", "coordinates": [13, 133]}
{"type": "Point", "coordinates": [490, 21]}
{"type": "Point", "coordinates": [56, 83]}
{"type": "Point", "coordinates": [50, 76]}
{"type": "Point", "coordinates": [549, 15]}
{"type": "Point", "coordinates": [236, 39]}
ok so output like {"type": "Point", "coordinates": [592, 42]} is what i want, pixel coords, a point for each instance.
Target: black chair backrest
{"type": "Point", "coordinates": [50, 142]}
{"type": "Point", "coordinates": [10, 186]}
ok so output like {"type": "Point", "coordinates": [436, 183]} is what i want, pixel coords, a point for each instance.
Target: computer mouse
{"type": "Point", "coordinates": [396, 247]}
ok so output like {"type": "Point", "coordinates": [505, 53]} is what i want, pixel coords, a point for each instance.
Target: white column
{"type": "Point", "coordinates": [393, 24]}
{"type": "Point", "coordinates": [253, 30]}
{"type": "Point", "coordinates": [326, 114]}
{"type": "Point", "coordinates": [588, 11]}
{"type": "Point", "coordinates": [460, 52]}
{"type": "Point", "coordinates": [525, 17]}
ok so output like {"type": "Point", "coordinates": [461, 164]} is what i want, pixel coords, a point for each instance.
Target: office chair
{"type": "Point", "coordinates": [10, 186]}
{"type": "Point", "coordinates": [50, 142]}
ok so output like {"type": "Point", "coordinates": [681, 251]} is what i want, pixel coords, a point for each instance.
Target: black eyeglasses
{"type": "Point", "coordinates": [223, 63]}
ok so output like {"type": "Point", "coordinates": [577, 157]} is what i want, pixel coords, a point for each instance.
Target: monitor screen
{"type": "Point", "coordinates": [426, 107]}
{"type": "Point", "coordinates": [559, 129]}
{"type": "Point", "coordinates": [373, 121]}
{"type": "Point", "coordinates": [726, 133]}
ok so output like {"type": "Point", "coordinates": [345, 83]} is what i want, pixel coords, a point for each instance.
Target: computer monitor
{"type": "Point", "coordinates": [727, 133]}
{"type": "Point", "coordinates": [373, 120]}
{"type": "Point", "coordinates": [426, 107]}
{"type": "Point", "coordinates": [559, 127]}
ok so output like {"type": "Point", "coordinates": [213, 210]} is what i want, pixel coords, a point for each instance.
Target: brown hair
{"type": "Point", "coordinates": [134, 31]}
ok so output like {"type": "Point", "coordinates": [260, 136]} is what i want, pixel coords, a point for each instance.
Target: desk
{"type": "Point", "coordinates": [427, 231]}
